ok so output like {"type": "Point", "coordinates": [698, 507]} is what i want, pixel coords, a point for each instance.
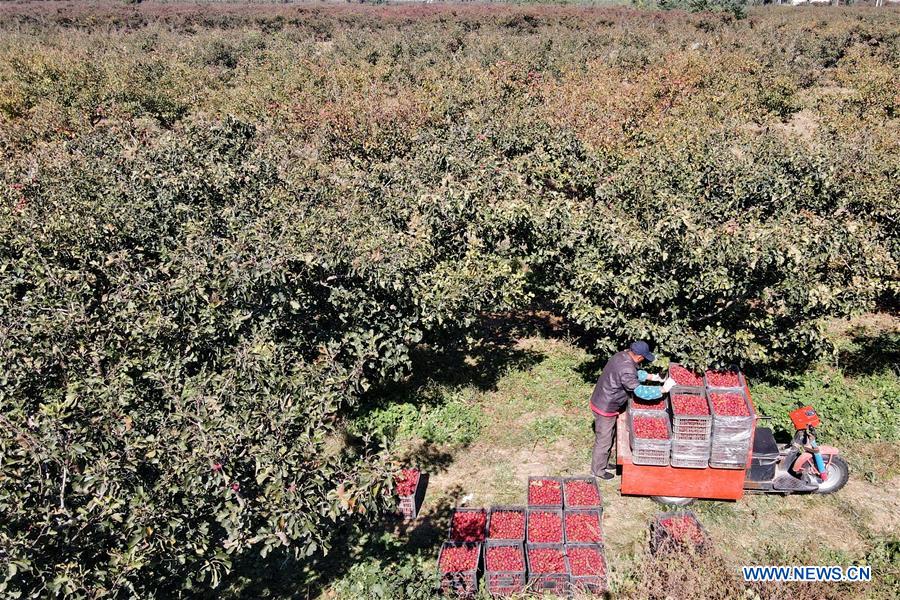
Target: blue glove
{"type": "Point", "coordinates": [648, 392]}
{"type": "Point", "coordinates": [642, 376]}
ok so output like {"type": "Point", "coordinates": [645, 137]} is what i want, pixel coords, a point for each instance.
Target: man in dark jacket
{"type": "Point", "coordinates": [618, 379]}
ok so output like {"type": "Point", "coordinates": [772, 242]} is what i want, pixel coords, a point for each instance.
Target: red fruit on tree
{"type": "Point", "coordinates": [586, 561]}
{"type": "Point", "coordinates": [546, 560]}
{"type": "Point", "coordinates": [217, 467]}
{"type": "Point", "coordinates": [504, 558]}
{"type": "Point", "coordinates": [582, 493]}
{"type": "Point", "coordinates": [468, 526]}
{"type": "Point", "coordinates": [545, 527]}
{"type": "Point", "coordinates": [651, 428]}
{"type": "Point", "coordinates": [459, 558]}
{"type": "Point", "coordinates": [235, 486]}
{"type": "Point", "coordinates": [507, 525]}
{"type": "Point", "coordinates": [688, 404]}
{"type": "Point", "coordinates": [583, 527]}
{"type": "Point", "coordinates": [545, 492]}
{"type": "Point", "coordinates": [729, 405]}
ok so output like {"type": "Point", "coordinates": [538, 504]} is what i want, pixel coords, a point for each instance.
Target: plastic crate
{"type": "Point", "coordinates": [528, 494]}
{"type": "Point", "coordinates": [693, 427]}
{"type": "Point", "coordinates": [557, 583]}
{"type": "Point", "coordinates": [461, 584]}
{"type": "Point", "coordinates": [595, 584]}
{"type": "Point", "coordinates": [467, 510]}
{"type": "Point", "coordinates": [529, 512]}
{"type": "Point", "coordinates": [592, 481]}
{"type": "Point", "coordinates": [662, 541]}
{"type": "Point", "coordinates": [690, 454]}
{"type": "Point", "coordinates": [497, 509]}
{"type": "Point", "coordinates": [636, 407]}
{"type": "Point", "coordinates": [594, 513]}
{"type": "Point", "coordinates": [409, 506]}
{"type": "Point", "coordinates": [686, 389]}
{"type": "Point", "coordinates": [650, 452]}
{"type": "Point", "coordinates": [740, 387]}
{"type": "Point", "coordinates": [503, 583]}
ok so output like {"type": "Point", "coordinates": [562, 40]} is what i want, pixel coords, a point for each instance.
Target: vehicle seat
{"type": "Point", "coordinates": [765, 450]}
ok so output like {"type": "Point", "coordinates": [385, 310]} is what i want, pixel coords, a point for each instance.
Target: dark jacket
{"type": "Point", "coordinates": [619, 376]}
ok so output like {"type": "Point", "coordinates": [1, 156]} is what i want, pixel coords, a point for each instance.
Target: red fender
{"type": "Point", "coordinates": [807, 456]}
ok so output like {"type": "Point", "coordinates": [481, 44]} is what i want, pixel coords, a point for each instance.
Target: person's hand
{"type": "Point", "coordinates": [652, 377]}
{"type": "Point", "coordinates": [668, 385]}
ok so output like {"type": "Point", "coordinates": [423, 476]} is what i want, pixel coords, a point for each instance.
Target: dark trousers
{"type": "Point", "coordinates": [604, 437]}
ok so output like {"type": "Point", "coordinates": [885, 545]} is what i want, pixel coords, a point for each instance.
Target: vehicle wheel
{"type": "Point", "coordinates": [674, 500]}
{"type": "Point", "coordinates": [838, 473]}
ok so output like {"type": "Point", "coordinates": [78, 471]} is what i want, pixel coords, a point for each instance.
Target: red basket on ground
{"type": "Point", "coordinates": [462, 584]}
{"type": "Point", "coordinates": [538, 581]}
{"type": "Point", "coordinates": [500, 582]}
{"type": "Point", "coordinates": [595, 583]}
{"type": "Point", "coordinates": [505, 509]}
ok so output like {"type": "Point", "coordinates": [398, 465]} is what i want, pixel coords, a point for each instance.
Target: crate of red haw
{"type": "Point", "coordinates": [548, 568]}
{"type": "Point", "coordinates": [468, 525]}
{"type": "Point", "coordinates": [545, 491]}
{"type": "Point", "coordinates": [458, 564]}
{"type": "Point", "coordinates": [587, 567]}
{"type": "Point", "coordinates": [581, 492]}
{"type": "Point", "coordinates": [410, 486]}
{"type": "Point", "coordinates": [504, 567]}
{"type": "Point", "coordinates": [506, 523]}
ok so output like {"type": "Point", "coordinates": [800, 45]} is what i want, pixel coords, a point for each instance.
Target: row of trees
{"type": "Point", "coordinates": [214, 242]}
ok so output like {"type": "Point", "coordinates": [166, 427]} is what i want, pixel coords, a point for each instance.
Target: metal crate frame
{"type": "Point", "coordinates": [463, 509]}
{"type": "Point", "coordinates": [501, 583]}
{"type": "Point", "coordinates": [542, 509]}
{"type": "Point", "coordinates": [462, 584]}
{"type": "Point", "coordinates": [584, 511]}
{"type": "Point", "coordinates": [507, 508]}
{"type": "Point", "coordinates": [589, 479]}
{"type": "Point", "coordinates": [557, 583]}
{"type": "Point", "coordinates": [595, 584]}
{"type": "Point", "coordinates": [541, 478]}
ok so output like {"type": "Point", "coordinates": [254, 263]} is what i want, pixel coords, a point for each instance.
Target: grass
{"type": "Point", "coordinates": [529, 416]}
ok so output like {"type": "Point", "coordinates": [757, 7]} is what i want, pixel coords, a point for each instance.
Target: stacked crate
{"type": "Point", "coordinates": [731, 434]}
{"type": "Point", "coordinates": [502, 541]}
{"type": "Point", "coordinates": [648, 451]}
{"type": "Point", "coordinates": [502, 582]}
{"type": "Point", "coordinates": [691, 433]}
